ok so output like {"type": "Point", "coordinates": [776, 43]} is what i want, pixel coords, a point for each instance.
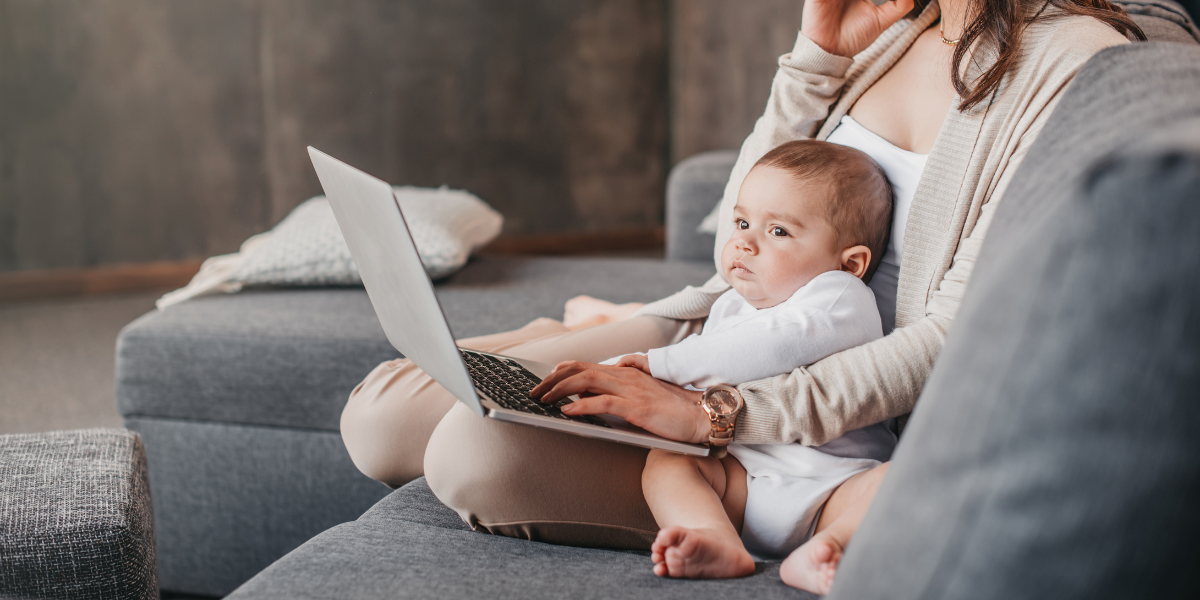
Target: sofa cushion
{"type": "Point", "coordinates": [1053, 453]}
{"type": "Point", "coordinates": [411, 546]}
{"type": "Point", "coordinates": [290, 357]}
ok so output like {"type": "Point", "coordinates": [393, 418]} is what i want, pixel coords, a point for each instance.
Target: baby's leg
{"type": "Point", "coordinates": [698, 504]}
{"type": "Point", "coordinates": [812, 567]}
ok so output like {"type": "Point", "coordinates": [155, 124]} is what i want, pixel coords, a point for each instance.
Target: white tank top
{"type": "Point", "coordinates": [903, 169]}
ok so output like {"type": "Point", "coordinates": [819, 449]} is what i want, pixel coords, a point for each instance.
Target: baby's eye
{"type": "Point", "coordinates": [778, 231]}
{"type": "Point", "coordinates": [741, 224]}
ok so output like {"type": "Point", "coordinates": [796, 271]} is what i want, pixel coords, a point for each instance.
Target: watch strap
{"type": "Point", "coordinates": [722, 426]}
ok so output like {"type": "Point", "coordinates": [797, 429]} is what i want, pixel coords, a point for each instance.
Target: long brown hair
{"type": "Point", "coordinates": [1000, 24]}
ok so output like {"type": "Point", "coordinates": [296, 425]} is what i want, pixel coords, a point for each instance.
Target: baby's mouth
{"type": "Point", "coordinates": [740, 266]}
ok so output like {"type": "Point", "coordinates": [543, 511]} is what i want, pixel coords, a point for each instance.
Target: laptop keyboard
{"type": "Point", "coordinates": [508, 384]}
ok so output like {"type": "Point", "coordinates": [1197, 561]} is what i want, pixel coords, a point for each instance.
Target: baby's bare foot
{"type": "Point", "coordinates": [699, 554]}
{"type": "Point", "coordinates": [812, 567]}
{"type": "Point", "coordinates": [585, 311]}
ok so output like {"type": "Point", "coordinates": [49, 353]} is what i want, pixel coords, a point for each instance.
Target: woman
{"type": "Point", "coordinates": [963, 92]}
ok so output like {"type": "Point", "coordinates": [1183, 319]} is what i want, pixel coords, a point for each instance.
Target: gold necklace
{"type": "Point", "coordinates": [942, 33]}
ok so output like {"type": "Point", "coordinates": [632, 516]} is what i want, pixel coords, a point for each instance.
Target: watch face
{"type": "Point", "coordinates": [722, 402]}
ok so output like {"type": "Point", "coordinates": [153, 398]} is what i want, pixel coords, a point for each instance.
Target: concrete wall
{"type": "Point", "coordinates": [139, 130]}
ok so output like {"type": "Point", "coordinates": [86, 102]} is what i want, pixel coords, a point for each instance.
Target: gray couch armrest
{"type": "Point", "coordinates": [693, 189]}
{"type": "Point", "coordinates": [1163, 20]}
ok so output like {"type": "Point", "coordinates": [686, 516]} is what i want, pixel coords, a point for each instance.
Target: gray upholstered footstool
{"type": "Point", "coordinates": [75, 516]}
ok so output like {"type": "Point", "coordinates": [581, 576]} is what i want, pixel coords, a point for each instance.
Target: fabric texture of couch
{"type": "Point", "coordinates": [411, 546]}
{"type": "Point", "coordinates": [75, 516]}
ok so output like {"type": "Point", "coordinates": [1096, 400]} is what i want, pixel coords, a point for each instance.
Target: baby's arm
{"type": "Point", "coordinates": [757, 350]}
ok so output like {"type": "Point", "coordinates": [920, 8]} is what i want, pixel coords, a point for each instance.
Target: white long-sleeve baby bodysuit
{"type": "Point", "coordinates": [740, 343]}
{"type": "Point", "coordinates": [787, 484]}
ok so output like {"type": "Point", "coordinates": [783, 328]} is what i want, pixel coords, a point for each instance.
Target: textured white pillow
{"type": "Point", "coordinates": [307, 248]}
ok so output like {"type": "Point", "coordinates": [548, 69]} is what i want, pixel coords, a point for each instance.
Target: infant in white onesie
{"type": "Point", "coordinates": [811, 221]}
{"type": "Point", "coordinates": [787, 484]}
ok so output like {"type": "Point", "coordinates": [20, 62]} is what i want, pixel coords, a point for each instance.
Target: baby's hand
{"type": "Point", "coordinates": [637, 361]}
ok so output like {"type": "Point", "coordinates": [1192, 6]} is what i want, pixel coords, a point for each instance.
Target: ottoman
{"type": "Point", "coordinates": [75, 516]}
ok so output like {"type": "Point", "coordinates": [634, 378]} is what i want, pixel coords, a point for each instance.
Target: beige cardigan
{"type": "Point", "coordinates": [969, 167]}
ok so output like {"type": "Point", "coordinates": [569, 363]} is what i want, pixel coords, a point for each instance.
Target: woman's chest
{"type": "Point", "coordinates": [908, 104]}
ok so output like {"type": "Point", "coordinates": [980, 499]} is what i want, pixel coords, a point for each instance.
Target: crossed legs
{"type": "Point", "coordinates": [510, 479]}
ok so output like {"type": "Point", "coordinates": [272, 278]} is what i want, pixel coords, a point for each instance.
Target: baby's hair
{"type": "Point", "coordinates": [861, 210]}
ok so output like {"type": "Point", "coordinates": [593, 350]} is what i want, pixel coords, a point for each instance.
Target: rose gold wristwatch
{"type": "Point", "coordinates": [722, 403]}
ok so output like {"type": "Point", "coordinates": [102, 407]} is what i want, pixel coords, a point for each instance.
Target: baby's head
{"type": "Point", "coordinates": [806, 208]}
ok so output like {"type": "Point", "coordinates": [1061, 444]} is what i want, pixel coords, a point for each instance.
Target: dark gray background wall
{"type": "Point", "coordinates": [723, 56]}
{"type": "Point", "coordinates": [139, 130]}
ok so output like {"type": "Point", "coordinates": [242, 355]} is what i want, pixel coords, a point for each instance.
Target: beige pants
{"type": "Point", "coordinates": [503, 478]}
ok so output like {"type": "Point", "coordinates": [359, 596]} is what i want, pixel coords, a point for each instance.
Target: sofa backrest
{"type": "Point", "coordinates": [1053, 452]}
{"type": "Point", "coordinates": [1164, 20]}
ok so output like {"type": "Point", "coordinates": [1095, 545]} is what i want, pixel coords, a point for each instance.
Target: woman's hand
{"type": "Point", "coordinates": [657, 406]}
{"type": "Point", "coordinates": [847, 27]}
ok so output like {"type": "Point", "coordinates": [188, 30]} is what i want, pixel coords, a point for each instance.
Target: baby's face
{"type": "Point", "coordinates": [781, 239]}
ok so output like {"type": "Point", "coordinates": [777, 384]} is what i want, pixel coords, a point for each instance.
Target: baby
{"type": "Point", "coordinates": [811, 221]}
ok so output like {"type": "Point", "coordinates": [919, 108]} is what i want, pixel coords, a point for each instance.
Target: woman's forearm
{"type": "Point", "coordinates": [849, 390]}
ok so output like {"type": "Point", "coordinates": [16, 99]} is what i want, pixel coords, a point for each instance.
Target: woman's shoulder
{"type": "Point", "coordinates": [1069, 38]}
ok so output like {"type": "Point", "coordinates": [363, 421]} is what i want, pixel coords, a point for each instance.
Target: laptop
{"type": "Point", "coordinates": [492, 385]}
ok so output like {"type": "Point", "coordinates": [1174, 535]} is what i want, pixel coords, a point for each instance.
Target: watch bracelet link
{"type": "Point", "coordinates": [721, 436]}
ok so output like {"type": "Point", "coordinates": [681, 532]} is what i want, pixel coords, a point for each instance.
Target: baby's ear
{"type": "Point", "coordinates": [855, 260]}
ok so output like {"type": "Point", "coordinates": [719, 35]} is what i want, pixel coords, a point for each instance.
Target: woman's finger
{"type": "Point", "coordinates": [587, 380]}
{"type": "Point", "coordinates": [597, 379]}
{"type": "Point", "coordinates": [561, 371]}
{"type": "Point", "coordinates": [593, 405]}
{"type": "Point", "coordinates": [894, 10]}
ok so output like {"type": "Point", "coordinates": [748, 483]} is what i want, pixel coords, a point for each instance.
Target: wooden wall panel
{"type": "Point", "coordinates": [129, 131]}
{"type": "Point", "coordinates": [144, 130]}
{"type": "Point", "coordinates": [723, 58]}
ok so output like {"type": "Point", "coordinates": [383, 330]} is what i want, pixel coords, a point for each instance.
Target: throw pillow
{"type": "Point", "coordinates": [307, 248]}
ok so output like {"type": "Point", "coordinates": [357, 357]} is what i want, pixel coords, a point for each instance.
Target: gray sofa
{"type": "Point", "coordinates": [238, 398]}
